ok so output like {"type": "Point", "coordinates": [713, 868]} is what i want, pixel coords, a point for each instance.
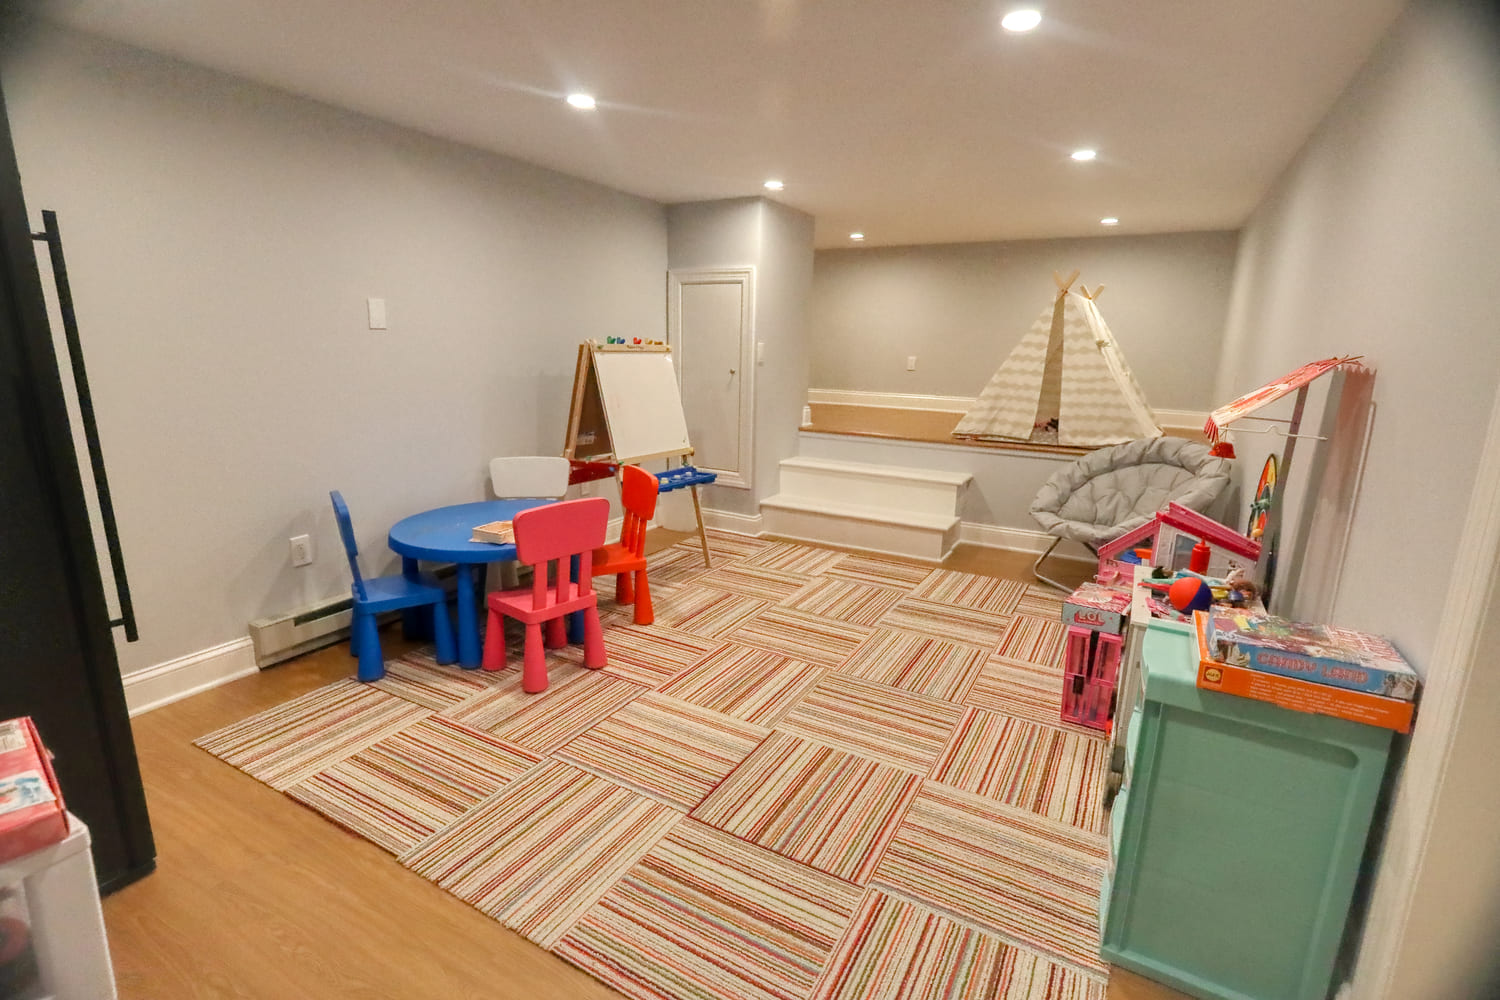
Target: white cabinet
{"type": "Point", "coordinates": [67, 924]}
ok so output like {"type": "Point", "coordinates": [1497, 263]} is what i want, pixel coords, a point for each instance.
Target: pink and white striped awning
{"type": "Point", "coordinates": [1252, 401]}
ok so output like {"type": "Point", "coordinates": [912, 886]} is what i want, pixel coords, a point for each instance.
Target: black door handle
{"type": "Point", "coordinates": [51, 236]}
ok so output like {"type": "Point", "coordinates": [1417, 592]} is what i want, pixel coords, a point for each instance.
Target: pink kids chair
{"type": "Point", "coordinates": [556, 532]}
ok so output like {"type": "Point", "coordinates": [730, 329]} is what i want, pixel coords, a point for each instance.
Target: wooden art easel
{"type": "Point", "coordinates": [628, 411]}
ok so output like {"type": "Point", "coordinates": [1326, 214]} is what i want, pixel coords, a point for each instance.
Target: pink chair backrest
{"type": "Point", "coordinates": [557, 531]}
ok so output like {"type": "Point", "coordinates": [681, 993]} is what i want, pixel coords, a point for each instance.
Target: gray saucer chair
{"type": "Point", "coordinates": [1107, 492]}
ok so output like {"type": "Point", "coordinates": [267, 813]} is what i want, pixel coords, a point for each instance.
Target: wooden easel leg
{"type": "Point", "coordinates": [702, 534]}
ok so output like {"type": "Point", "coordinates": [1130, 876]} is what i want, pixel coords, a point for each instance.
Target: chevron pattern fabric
{"type": "Point", "coordinates": [1007, 407]}
{"type": "Point", "coordinates": [1096, 397]}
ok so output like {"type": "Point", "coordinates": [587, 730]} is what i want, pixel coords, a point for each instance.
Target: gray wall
{"type": "Point", "coordinates": [777, 242]}
{"type": "Point", "coordinates": [1372, 243]}
{"type": "Point", "coordinates": [222, 238]}
{"type": "Point", "coordinates": [962, 307]}
{"type": "Point", "coordinates": [1380, 239]}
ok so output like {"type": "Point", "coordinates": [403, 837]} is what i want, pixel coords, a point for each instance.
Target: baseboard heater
{"type": "Point", "coordinates": [282, 637]}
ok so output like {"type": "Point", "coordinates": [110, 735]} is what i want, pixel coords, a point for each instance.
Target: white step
{"type": "Point", "coordinates": [890, 530]}
{"type": "Point", "coordinates": [923, 491]}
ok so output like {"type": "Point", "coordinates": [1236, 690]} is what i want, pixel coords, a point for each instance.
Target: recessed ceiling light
{"type": "Point", "coordinates": [583, 102]}
{"type": "Point", "coordinates": [1109, 221]}
{"type": "Point", "coordinates": [1084, 155]}
{"type": "Point", "coordinates": [1021, 19]}
{"type": "Point", "coordinates": [774, 185]}
{"type": "Point", "coordinates": [856, 237]}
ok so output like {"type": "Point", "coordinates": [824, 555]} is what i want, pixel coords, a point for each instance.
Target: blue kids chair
{"type": "Point", "coordinates": [388, 593]}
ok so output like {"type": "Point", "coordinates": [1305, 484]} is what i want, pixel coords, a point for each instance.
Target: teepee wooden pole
{"type": "Point", "coordinates": [1063, 284]}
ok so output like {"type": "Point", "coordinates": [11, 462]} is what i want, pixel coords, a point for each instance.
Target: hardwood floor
{"type": "Point", "coordinates": [256, 896]}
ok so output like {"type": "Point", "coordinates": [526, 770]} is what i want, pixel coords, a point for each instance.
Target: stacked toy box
{"type": "Point", "coordinates": [1322, 669]}
{"type": "Point", "coordinates": [1095, 617]}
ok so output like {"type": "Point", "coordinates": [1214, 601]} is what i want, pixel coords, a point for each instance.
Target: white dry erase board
{"type": "Point", "coordinates": [636, 388]}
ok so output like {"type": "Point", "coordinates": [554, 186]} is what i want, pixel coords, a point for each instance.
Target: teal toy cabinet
{"type": "Point", "coordinates": [1237, 835]}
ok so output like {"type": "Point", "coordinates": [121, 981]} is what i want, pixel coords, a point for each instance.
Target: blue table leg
{"type": "Point", "coordinates": [575, 620]}
{"type": "Point", "coordinates": [468, 619]}
{"type": "Point", "coordinates": [414, 623]}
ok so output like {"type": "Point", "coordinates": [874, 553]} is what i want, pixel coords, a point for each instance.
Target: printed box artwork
{"type": "Point", "coordinates": [31, 806]}
{"type": "Point", "coordinates": [1298, 695]}
{"type": "Point", "coordinates": [1325, 654]}
{"type": "Point", "coordinates": [1103, 609]}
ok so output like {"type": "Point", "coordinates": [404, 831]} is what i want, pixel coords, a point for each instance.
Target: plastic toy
{"type": "Point", "coordinates": [1242, 590]}
{"type": "Point", "coordinates": [1190, 593]}
{"type": "Point", "coordinates": [1171, 539]}
{"type": "Point", "coordinates": [1260, 508]}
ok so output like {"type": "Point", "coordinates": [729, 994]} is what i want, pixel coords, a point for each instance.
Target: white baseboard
{"type": "Point", "coordinates": [904, 400]}
{"type": "Point", "coordinates": [740, 524]}
{"type": "Point", "coordinates": [1193, 419]}
{"type": "Point", "coordinates": [994, 536]}
{"type": "Point", "coordinates": [187, 675]}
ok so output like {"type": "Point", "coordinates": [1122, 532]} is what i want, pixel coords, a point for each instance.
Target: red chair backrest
{"type": "Point", "coordinates": [638, 492]}
{"type": "Point", "coordinates": [558, 531]}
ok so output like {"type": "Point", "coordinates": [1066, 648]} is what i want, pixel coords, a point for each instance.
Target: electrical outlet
{"type": "Point", "coordinates": [911, 363]}
{"type": "Point", "coordinates": [302, 550]}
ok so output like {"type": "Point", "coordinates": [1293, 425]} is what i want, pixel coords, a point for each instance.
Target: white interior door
{"type": "Point", "coordinates": [710, 325]}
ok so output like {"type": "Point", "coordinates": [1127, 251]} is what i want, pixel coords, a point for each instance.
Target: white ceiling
{"type": "Point", "coordinates": [917, 121]}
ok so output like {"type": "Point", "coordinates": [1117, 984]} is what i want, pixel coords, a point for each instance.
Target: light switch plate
{"type": "Point", "coordinates": [377, 313]}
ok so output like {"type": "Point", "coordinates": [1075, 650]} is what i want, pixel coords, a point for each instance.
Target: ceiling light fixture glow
{"type": "Point", "coordinates": [856, 237]}
{"type": "Point", "coordinates": [583, 102]}
{"type": "Point", "coordinates": [1084, 155]}
{"type": "Point", "coordinates": [1109, 221]}
{"type": "Point", "coordinates": [774, 185]}
{"type": "Point", "coordinates": [1021, 19]}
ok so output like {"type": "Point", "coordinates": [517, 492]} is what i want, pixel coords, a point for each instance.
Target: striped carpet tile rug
{"type": "Point", "coordinates": [817, 775]}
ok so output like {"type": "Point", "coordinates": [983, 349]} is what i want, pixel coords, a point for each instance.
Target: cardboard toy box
{"type": "Point", "coordinates": [1297, 695]}
{"type": "Point", "coordinates": [1325, 654]}
{"type": "Point", "coordinates": [31, 805]}
{"type": "Point", "coordinates": [1103, 609]}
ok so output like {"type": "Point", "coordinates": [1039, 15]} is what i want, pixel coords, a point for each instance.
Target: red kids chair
{"type": "Point", "coordinates": [543, 534]}
{"type": "Point", "coordinates": [638, 492]}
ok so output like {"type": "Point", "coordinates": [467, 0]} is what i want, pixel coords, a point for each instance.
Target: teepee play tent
{"type": "Point", "coordinates": [1065, 383]}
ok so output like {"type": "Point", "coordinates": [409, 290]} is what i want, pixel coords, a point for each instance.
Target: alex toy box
{"type": "Point", "coordinates": [1326, 654]}
{"type": "Point", "coordinates": [1298, 695]}
{"type": "Point", "coordinates": [31, 806]}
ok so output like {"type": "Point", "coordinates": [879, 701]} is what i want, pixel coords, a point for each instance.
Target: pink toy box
{"type": "Point", "coordinates": [1104, 609]}
{"type": "Point", "coordinates": [1092, 665]}
{"type": "Point", "coordinates": [1095, 617]}
{"type": "Point", "coordinates": [31, 805]}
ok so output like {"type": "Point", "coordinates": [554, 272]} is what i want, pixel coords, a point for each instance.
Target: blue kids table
{"type": "Point", "coordinates": [442, 535]}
